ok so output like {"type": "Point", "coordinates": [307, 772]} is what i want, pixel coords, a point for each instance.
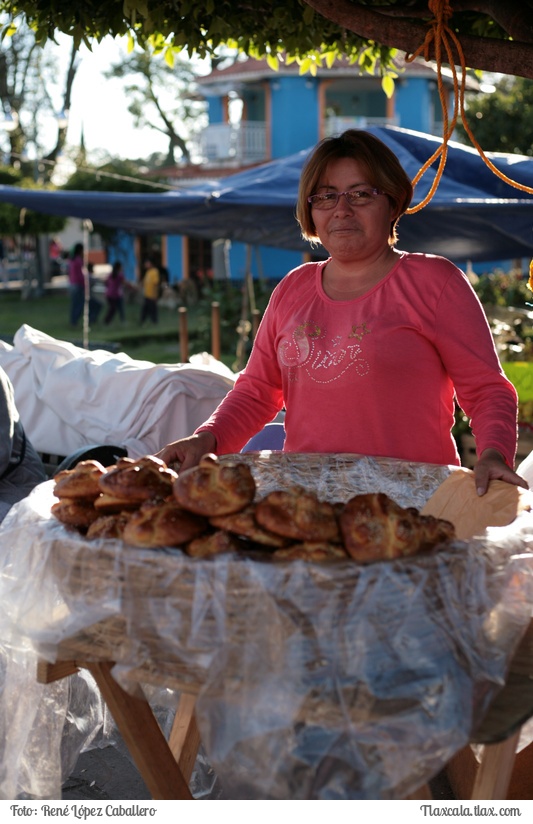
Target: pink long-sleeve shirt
{"type": "Point", "coordinates": [76, 271]}
{"type": "Point", "coordinates": [377, 375]}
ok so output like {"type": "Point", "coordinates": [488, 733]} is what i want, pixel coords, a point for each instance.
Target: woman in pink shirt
{"type": "Point", "coordinates": [368, 350]}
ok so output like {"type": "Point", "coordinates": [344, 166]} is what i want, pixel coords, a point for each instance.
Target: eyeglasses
{"type": "Point", "coordinates": [361, 196]}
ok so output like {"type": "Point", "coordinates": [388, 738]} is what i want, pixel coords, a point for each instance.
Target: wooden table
{"type": "Point", "coordinates": [166, 766]}
{"type": "Point", "coordinates": [103, 603]}
{"type": "Point", "coordinates": [499, 731]}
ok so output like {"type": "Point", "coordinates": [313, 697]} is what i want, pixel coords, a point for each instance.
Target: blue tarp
{"type": "Point", "coordinates": [473, 215]}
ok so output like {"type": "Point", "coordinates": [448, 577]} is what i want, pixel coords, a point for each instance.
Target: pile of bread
{"type": "Point", "coordinates": [213, 508]}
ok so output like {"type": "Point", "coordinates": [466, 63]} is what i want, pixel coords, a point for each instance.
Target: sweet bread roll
{"type": "Point", "coordinates": [212, 543]}
{"type": "Point", "coordinates": [244, 523]}
{"type": "Point", "coordinates": [376, 528]}
{"type": "Point", "coordinates": [435, 531]}
{"type": "Point", "coordinates": [111, 505]}
{"type": "Point", "coordinates": [138, 480]}
{"type": "Point", "coordinates": [77, 513]}
{"type": "Point", "coordinates": [162, 523]}
{"type": "Point", "coordinates": [108, 526]}
{"type": "Point", "coordinates": [214, 487]}
{"type": "Point", "coordinates": [312, 551]}
{"type": "Point", "coordinates": [80, 482]}
{"type": "Point", "coordinates": [298, 514]}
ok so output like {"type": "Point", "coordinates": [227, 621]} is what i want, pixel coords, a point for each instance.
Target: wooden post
{"type": "Point", "coordinates": [244, 327]}
{"type": "Point", "coordinates": [215, 329]}
{"type": "Point", "coordinates": [184, 334]}
{"type": "Point", "coordinates": [256, 318]}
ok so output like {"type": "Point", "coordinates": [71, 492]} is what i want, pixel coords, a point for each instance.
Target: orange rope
{"type": "Point", "coordinates": [441, 34]}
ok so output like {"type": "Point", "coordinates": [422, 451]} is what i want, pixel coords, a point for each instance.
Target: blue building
{"type": "Point", "coordinates": [257, 114]}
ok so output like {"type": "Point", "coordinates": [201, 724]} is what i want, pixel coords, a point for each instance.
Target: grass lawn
{"type": "Point", "coordinates": [157, 343]}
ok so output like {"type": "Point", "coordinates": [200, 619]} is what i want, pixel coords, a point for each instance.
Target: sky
{"type": "Point", "coordinates": [99, 105]}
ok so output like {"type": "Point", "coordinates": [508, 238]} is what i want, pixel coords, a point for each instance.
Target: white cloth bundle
{"type": "Point", "coordinates": [69, 397]}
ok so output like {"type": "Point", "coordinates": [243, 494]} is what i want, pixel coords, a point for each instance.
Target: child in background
{"type": "Point", "coordinates": [150, 286]}
{"type": "Point", "coordinates": [114, 293]}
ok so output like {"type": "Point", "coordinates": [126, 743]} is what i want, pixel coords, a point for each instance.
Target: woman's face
{"type": "Point", "coordinates": [352, 232]}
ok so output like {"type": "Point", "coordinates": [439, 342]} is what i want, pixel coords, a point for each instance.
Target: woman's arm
{"type": "Point", "coordinates": [485, 394]}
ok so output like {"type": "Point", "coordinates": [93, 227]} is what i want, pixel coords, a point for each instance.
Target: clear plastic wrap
{"type": "Point", "coordinates": [313, 680]}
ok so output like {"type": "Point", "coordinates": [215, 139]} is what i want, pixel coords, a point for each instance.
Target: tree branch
{"type": "Point", "coordinates": [488, 54]}
{"type": "Point", "coordinates": [514, 16]}
{"type": "Point", "coordinates": [61, 139]}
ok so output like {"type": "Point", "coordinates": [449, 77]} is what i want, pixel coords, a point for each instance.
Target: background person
{"type": "Point", "coordinates": [95, 305]}
{"type": "Point", "coordinates": [114, 293]}
{"type": "Point", "coordinates": [76, 277]}
{"type": "Point", "coordinates": [150, 287]}
{"type": "Point", "coordinates": [368, 349]}
{"type": "Point", "coordinates": [4, 270]}
{"type": "Point", "coordinates": [78, 274]}
{"type": "Point", "coordinates": [54, 257]}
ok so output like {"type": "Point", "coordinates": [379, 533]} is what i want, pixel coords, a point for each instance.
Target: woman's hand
{"type": "Point", "coordinates": [491, 465]}
{"type": "Point", "coordinates": [187, 452]}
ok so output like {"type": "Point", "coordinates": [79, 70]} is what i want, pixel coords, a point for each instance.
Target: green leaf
{"type": "Point", "coordinates": [387, 84]}
{"type": "Point", "coordinates": [169, 57]}
{"type": "Point", "coordinates": [308, 15]}
{"type": "Point", "coordinates": [273, 62]}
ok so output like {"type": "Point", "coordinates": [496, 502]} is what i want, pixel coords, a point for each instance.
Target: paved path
{"type": "Point", "coordinates": [106, 774]}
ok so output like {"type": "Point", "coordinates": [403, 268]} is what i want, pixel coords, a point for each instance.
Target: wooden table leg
{"type": "Point", "coordinates": [184, 739]}
{"type": "Point", "coordinates": [423, 793]}
{"type": "Point", "coordinates": [142, 735]}
{"type": "Point", "coordinates": [494, 772]}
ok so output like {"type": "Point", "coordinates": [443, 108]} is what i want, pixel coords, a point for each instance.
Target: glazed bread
{"type": "Point", "coordinates": [376, 528]}
{"type": "Point", "coordinates": [298, 514]}
{"type": "Point", "coordinates": [138, 480]}
{"type": "Point", "coordinates": [244, 523]}
{"type": "Point", "coordinates": [80, 482]}
{"type": "Point", "coordinates": [311, 551]}
{"type": "Point", "coordinates": [211, 509]}
{"type": "Point", "coordinates": [215, 488]}
{"type": "Point", "coordinates": [76, 513]}
{"type": "Point", "coordinates": [109, 526]}
{"type": "Point", "coordinates": [210, 544]}
{"type": "Point", "coordinates": [162, 523]}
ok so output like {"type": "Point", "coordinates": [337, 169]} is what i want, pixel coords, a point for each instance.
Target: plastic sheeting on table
{"type": "Point", "coordinates": [313, 680]}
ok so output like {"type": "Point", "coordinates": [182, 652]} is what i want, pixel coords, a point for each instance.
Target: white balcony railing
{"type": "Point", "coordinates": [238, 144]}
{"type": "Point", "coordinates": [245, 142]}
{"type": "Point", "coordinates": [336, 125]}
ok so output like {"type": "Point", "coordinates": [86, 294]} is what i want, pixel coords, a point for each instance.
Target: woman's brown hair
{"type": "Point", "coordinates": [384, 171]}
